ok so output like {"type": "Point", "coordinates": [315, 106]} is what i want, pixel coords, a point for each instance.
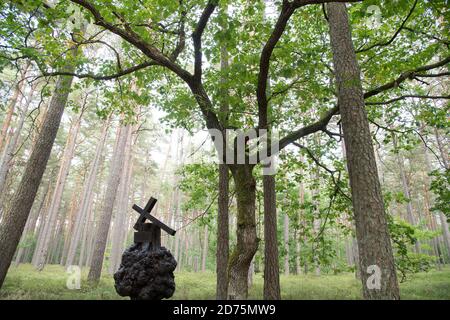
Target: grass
{"type": "Point", "coordinates": [24, 282]}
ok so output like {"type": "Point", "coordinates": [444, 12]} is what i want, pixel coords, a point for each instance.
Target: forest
{"type": "Point", "coordinates": [299, 148]}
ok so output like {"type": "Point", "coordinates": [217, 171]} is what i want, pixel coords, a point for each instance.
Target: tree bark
{"type": "Point", "coordinates": [205, 247]}
{"type": "Point", "coordinates": [73, 208]}
{"type": "Point", "coordinates": [223, 229]}
{"type": "Point", "coordinates": [44, 245]}
{"type": "Point", "coordinates": [86, 197]}
{"type": "Point", "coordinates": [246, 242]}
{"type": "Point", "coordinates": [370, 218]}
{"type": "Point", "coordinates": [286, 244]}
{"type": "Point", "coordinates": [442, 149]}
{"type": "Point", "coordinates": [16, 215]}
{"type": "Point", "coordinates": [406, 191]}
{"type": "Point", "coordinates": [123, 193]}
{"type": "Point", "coordinates": [271, 264]}
{"type": "Point", "coordinates": [222, 234]}
{"type": "Point", "coordinates": [104, 220]}
{"type": "Point", "coordinates": [9, 152]}
{"type": "Point", "coordinates": [12, 105]}
{"type": "Point", "coordinates": [301, 195]}
{"type": "Point", "coordinates": [442, 218]}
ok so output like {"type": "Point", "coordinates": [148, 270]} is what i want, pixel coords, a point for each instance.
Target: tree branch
{"type": "Point", "coordinates": [134, 39]}
{"type": "Point", "coordinates": [404, 97]}
{"type": "Point", "coordinates": [383, 44]}
{"type": "Point", "coordinates": [405, 76]}
{"type": "Point", "coordinates": [101, 77]}
{"type": "Point", "coordinates": [197, 37]}
{"type": "Point", "coordinates": [319, 125]}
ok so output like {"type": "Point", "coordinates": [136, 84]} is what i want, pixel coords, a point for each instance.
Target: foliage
{"type": "Point", "coordinates": [441, 187]}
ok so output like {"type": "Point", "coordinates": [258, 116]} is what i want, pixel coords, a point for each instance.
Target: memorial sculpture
{"type": "Point", "coordinates": [146, 269]}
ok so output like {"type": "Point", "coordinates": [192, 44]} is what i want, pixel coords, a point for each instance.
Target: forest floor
{"type": "Point", "coordinates": [24, 282]}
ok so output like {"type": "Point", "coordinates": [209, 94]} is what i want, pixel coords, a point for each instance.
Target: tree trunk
{"type": "Point", "coordinates": [223, 229]}
{"type": "Point", "coordinates": [104, 220]}
{"type": "Point", "coordinates": [30, 225]}
{"type": "Point", "coordinates": [123, 193]}
{"type": "Point", "coordinates": [55, 204]}
{"type": "Point", "coordinates": [205, 248]}
{"type": "Point", "coordinates": [246, 242]}
{"type": "Point", "coordinates": [286, 244]}
{"type": "Point", "coordinates": [222, 234]}
{"type": "Point", "coordinates": [370, 218]}
{"type": "Point", "coordinates": [9, 152]}
{"type": "Point", "coordinates": [16, 215]}
{"type": "Point", "coordinates": [301, 195]}
{"type": "Point", "coordinates": [442, 149]}
{"type": "Point", "coordinates": [271, 264]}
{"type": "Point", "coordinates": [405, 186]}
{"type": "Point", "coordinates": [87, 197]}
{"type": "Point", "coordinates": [177, 195]}
{"type": "Point", "coordinates": [12, 105]}
{"type": "Point", "coordinates": [73, 207]}
{"type": "Point", "coordinates": [315, 193]}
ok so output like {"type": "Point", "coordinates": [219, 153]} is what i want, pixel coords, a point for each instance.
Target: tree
{"type": "Point", "coordinates": [12, 105]}
{"type": "Point", "coordinates": [104, 220]}
{"type": "Point", "coordinates": [223, 232]}
{"type": "Point", "coordinates": [10, 150]}
{"type": "Point", "coordinates": [123, 191]}
{"type": "Point", "coordinates": [43, 244]}
{"type": "Point", "coordinates": [86, 197]}
{"type": "Point", "coordinates": [16, 215]}
{"type": "Point", "coordinates": [370, 218]}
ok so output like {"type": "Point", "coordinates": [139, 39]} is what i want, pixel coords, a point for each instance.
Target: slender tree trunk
{"type": "Point", "coordinates": [30, 225]}
{"type": "Point", "coordinates": [442, 217]}
{"type": "Point", "coordinates": [12, 105]}
{"type": "Point", "coordinates": [442, 149]}
{"type": "Point", "coordinates": [406, 191]}
{"type": "Point", "coordinates": [246, 242]}
{"type": "Point", "coordinates": [9, 152]}
{"type": "Point", "coordinates": [177, 214]}
{"type": "Point", "coordinates": [301, 195]}
{"type": "Point", "coordinates": [123, 193]}
{"type": "Point", "coordinates": [69, 150]}
{"type": "Point", "coordinates": [223, 230]}
{"type": "Point", "coordinates": [427, 203]}
{"type": "Point", "coordinates": [73, 207]}
{"type": "Point", "coordinates": [375, 251]}
{"type": "Point", "coordinates": [43, 215]}
{"type": "Point", "coordinates": [205, 248]}
{"type": "Point", "coordinates": [16, 215]}
{"type": "Point", "coordinates": [316, 217]}
{"type": "Point", "coordinates": [86, 197]}
{"type": "Point", "coordinates": [104, 220]}
{"type": "Point", "coordinates": [286, 244]}
{"type": "Point", "coordinates": [271, 263]}
{"type": "Point", "coordinates": [222, 234]}
{"type": "Point", "coordinates": [87, 239]}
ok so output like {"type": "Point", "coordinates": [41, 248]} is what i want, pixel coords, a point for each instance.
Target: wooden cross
{"type": "Point", "coordinates": [149, 232]}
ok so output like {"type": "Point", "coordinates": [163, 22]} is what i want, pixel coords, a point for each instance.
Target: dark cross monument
{"type": "Point", "coordinates": [146, 270]}
{"type": "Point", "coordinates": [149, 232]}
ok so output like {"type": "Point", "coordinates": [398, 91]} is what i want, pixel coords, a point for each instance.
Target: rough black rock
{"type": "Point", "coordinates": [146, 274]}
